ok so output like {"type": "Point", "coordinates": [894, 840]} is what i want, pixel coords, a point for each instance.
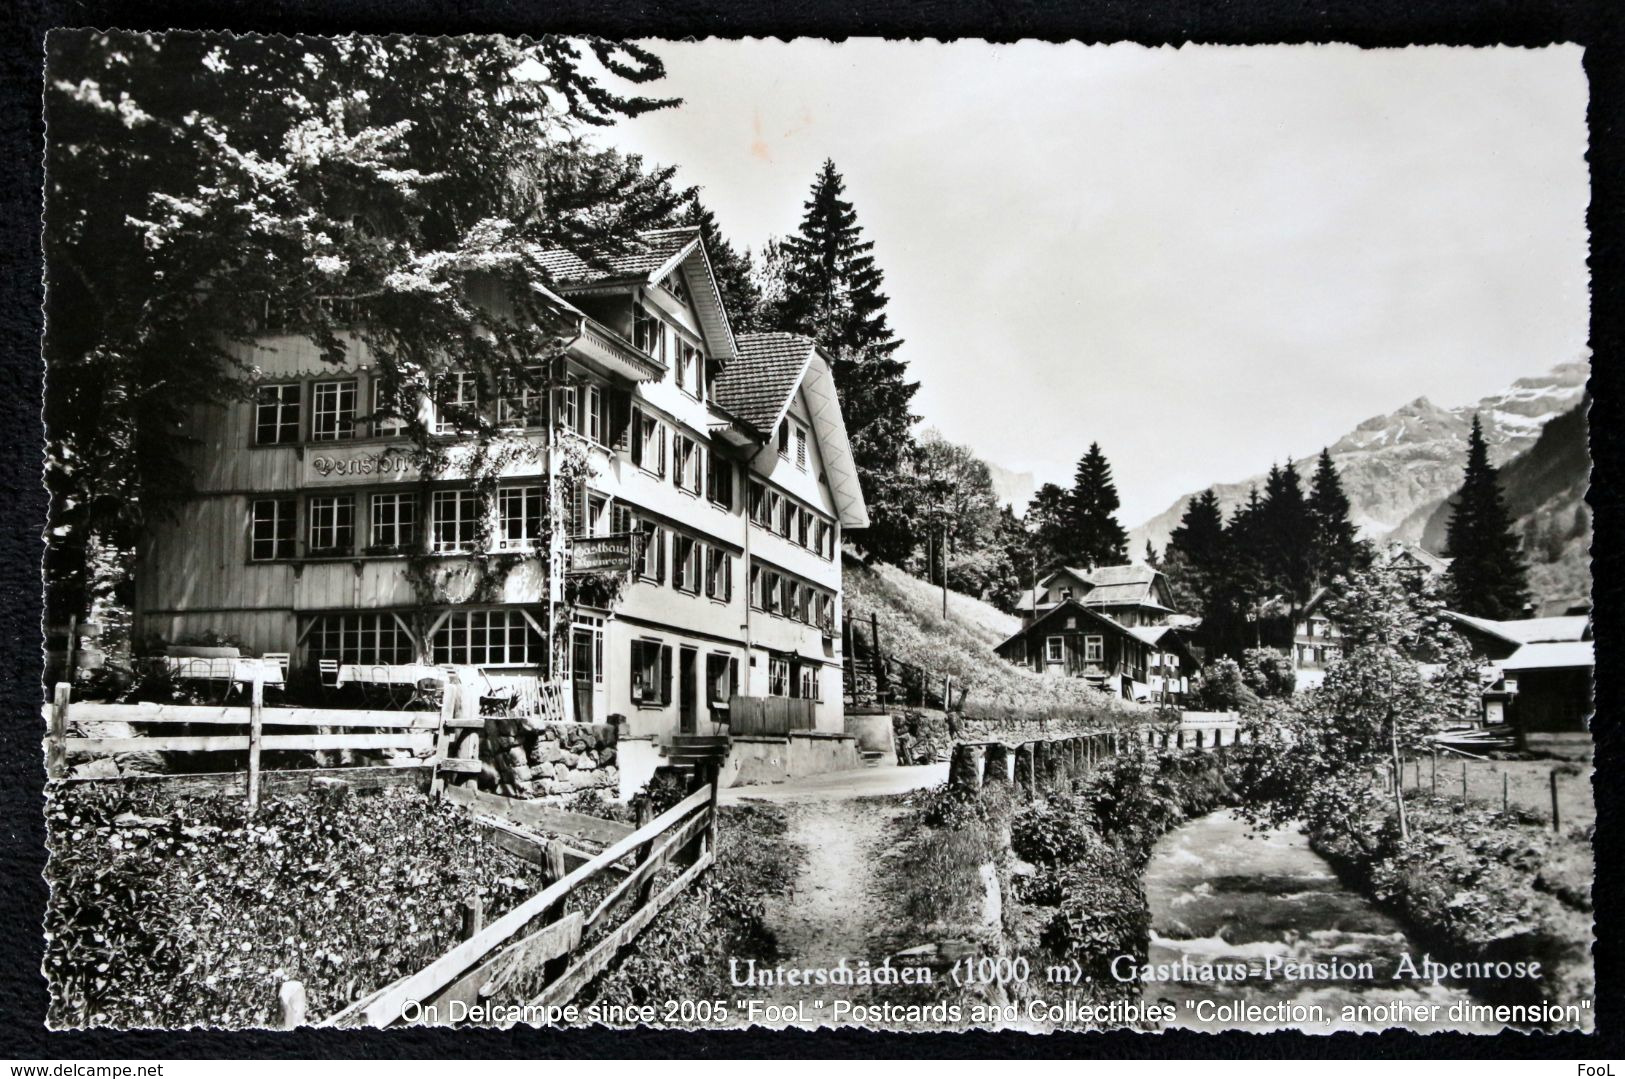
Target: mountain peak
{"type": "Point", "coordinates": [1398, 463]}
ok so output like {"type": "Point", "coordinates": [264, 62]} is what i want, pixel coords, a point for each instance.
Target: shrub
{"type": "Point", "coordinates": [592, 803]}
{"type": "Point", "coordinates": [1268, 672]}
{"type": "Point", "coordinates": [1055, 832]}
{"type": "Point", "coordinates": [1221, 688]}
{"type": "Point", "coordinates": [665, 789]}
{"type": "Point", "coordinates": [949, 807]}
{"type": "Point", "coordinates": [1101, 911]}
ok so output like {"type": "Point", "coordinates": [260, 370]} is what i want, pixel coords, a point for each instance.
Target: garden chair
{"type": "Point", "coordinates": [327, 671]}
{"type": "Point", "coordinates": [427, 694]}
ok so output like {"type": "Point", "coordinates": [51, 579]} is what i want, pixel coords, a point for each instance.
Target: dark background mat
{"type": "Point", "coordinates": [1598, 25]}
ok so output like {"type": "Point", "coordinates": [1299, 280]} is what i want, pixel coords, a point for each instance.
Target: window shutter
{"type": "Point", "coordinates": [635, 424]}
{"type": "Point", "coordinates": [727, 577]}
{"type": "Point", "coordinates": [665, 672]}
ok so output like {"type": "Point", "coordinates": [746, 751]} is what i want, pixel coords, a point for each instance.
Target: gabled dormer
{"type": "Point", "coordinates": [663, 276]}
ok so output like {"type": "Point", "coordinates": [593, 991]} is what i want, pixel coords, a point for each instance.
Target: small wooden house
{"type": "Point", "coordinates": [1077, 641]}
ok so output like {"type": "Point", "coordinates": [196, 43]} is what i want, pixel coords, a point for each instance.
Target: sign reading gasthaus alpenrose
{"type": "Point", "coordinates": [602, 554]}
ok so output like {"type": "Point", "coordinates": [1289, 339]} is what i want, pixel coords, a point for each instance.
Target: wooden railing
{"type": "Point", "coordinates": [770, 716]}
{"type": "Point", "coordinates": [543, 943]}
{"type": "Point", "coordinates": [426, 735]}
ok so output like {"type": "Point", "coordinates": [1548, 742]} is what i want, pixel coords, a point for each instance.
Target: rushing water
{"type": "Point", "coordinates": [1253, 904]}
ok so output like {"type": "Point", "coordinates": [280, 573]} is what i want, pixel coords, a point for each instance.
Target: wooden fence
{"type": "Point", "coordinates": [426, 735]}
{"type": "Point", "coordinates": [769, 716]}
{"type": "Point", "coordinates": [541, 942]}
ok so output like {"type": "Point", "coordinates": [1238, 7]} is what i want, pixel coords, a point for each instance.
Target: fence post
{"type": "Point", "coordinates": [963, 771]}
{"type": "Point", "coordinates": [256, 731]}
{"type": "Point", "coordinates": [292, 998]}
{"type": "Point", "coordinates": [645, 814]}
{"type": "Point", "coordinates": [1506, 793]}
{"type": "Point", "coordinates": [996, 764]}
{"type": "Point", "coordinates": [714, 823]}
{"type": "Point", "coordinates": [472, 910]}
{"type": "Point", "coordinates": [442, 738]}
{"type": "Point", "coordinates": [552, 873]}
{"type": "Point", "coordinates": [56, 758]}
{"type": "Point", "coordinates": [1024, 769]}
{"type": "Point", "coordinates": [874, 653]}
{"type": "Point", "coordinates": [1433, 772]}
{"type": "Point", "coordinates": [1464, 784]}
{"type": "Point", "coordinates": [1557, 816]}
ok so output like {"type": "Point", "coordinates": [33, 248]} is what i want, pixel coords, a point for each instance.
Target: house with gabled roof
{"type": "Point", "coordinates": [1071, 639]}
{"type": "Point", "coordinates": [1316, 638]}
{"type": "Point", "coordinates": [1131, 595]}
{"type": "Point", "coordinates": [719, 484]}
{"type": "Point", "coordinates": [1536, 675]}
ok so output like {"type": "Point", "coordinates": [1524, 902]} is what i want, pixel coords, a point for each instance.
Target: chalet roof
{"type": "Point", "coordinates": [1041, 622]}
{"type": "Point", "coordinates": [1427, 559]}
{"type": "Point", "coordinates": [1548, 655]}
{"type": "Point", "coordinates": [637, 261]}
{"type": "Point", "coordinates": [1530, 630]}
{"type": "Point", "coordinates": [758, 388]}
{"type": "Point", "coordinates": [1106, 586]}
{"type": "Point", "coordinates": [1130, 574]}
{"type": "Point", "coordinates": [647, 260]}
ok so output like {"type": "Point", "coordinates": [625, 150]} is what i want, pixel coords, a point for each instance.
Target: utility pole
{"type": "Point", "coordinates": [945, 572]}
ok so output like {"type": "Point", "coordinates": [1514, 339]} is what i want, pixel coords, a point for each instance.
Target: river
{"type": "Point", "coordinates": [1255, 904]}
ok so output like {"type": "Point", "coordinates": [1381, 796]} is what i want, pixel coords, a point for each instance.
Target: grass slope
{"type": "Point", "coordinates": [913, 629]}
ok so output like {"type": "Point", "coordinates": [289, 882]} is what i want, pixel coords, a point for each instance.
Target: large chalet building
{"type": "Point", "coordinates": [722, 458]}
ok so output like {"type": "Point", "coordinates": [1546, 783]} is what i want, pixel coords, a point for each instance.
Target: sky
{"type": "Point", "coordinates": [1206, 259]}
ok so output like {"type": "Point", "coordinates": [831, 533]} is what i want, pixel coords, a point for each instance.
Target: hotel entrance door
{"type": "Point", "coordinates": [587, 671]}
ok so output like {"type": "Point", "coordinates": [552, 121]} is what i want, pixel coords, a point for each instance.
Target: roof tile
{"type": "Point", "coordinates": [645, 255]}
{"type": "Point", "coordinates": [756, 386]}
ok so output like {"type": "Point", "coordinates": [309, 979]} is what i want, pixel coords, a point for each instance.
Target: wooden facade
{"type": "Point", "coordinates": [1077, 642]}
{"type": "Point", "coordinates": [309, 518]}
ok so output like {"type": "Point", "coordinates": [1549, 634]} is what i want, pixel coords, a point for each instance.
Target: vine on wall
{"type": "Point", "coordinates": [520, 355]}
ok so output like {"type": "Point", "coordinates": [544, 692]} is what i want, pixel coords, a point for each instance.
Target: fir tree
{"type": "Point", "coordinates": [831, 281]}
{"type": "Point", "coordinates": [1487, 576]}
{"type": "Point", "coordinates": [1096, 538]}
{"type": "Point", "coordinates": [1197, 556]}
{"type": "Point", "coordinates": [1048, 524]}
{"type": "Point", "coordinates": [1287, 531]}
{"type": "Point", "coordinates": [1247, 574]}
{"type": "Point", "coordinates": [1337, 552]}
{"type": "Point", "coordinates": [824, 282]}
{"type": "Point", "coordinates": [1152, 559]}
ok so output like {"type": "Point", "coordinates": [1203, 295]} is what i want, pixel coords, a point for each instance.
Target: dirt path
{"type": "Point", "coordinates": [835, 906]}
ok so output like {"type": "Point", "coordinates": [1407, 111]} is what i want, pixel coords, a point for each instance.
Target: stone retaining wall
{"type": "Point", "coordinates": [550, 758]}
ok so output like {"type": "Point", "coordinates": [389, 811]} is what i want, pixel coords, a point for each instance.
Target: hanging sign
{"type": "Point", "coordinates": [603, 554]}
